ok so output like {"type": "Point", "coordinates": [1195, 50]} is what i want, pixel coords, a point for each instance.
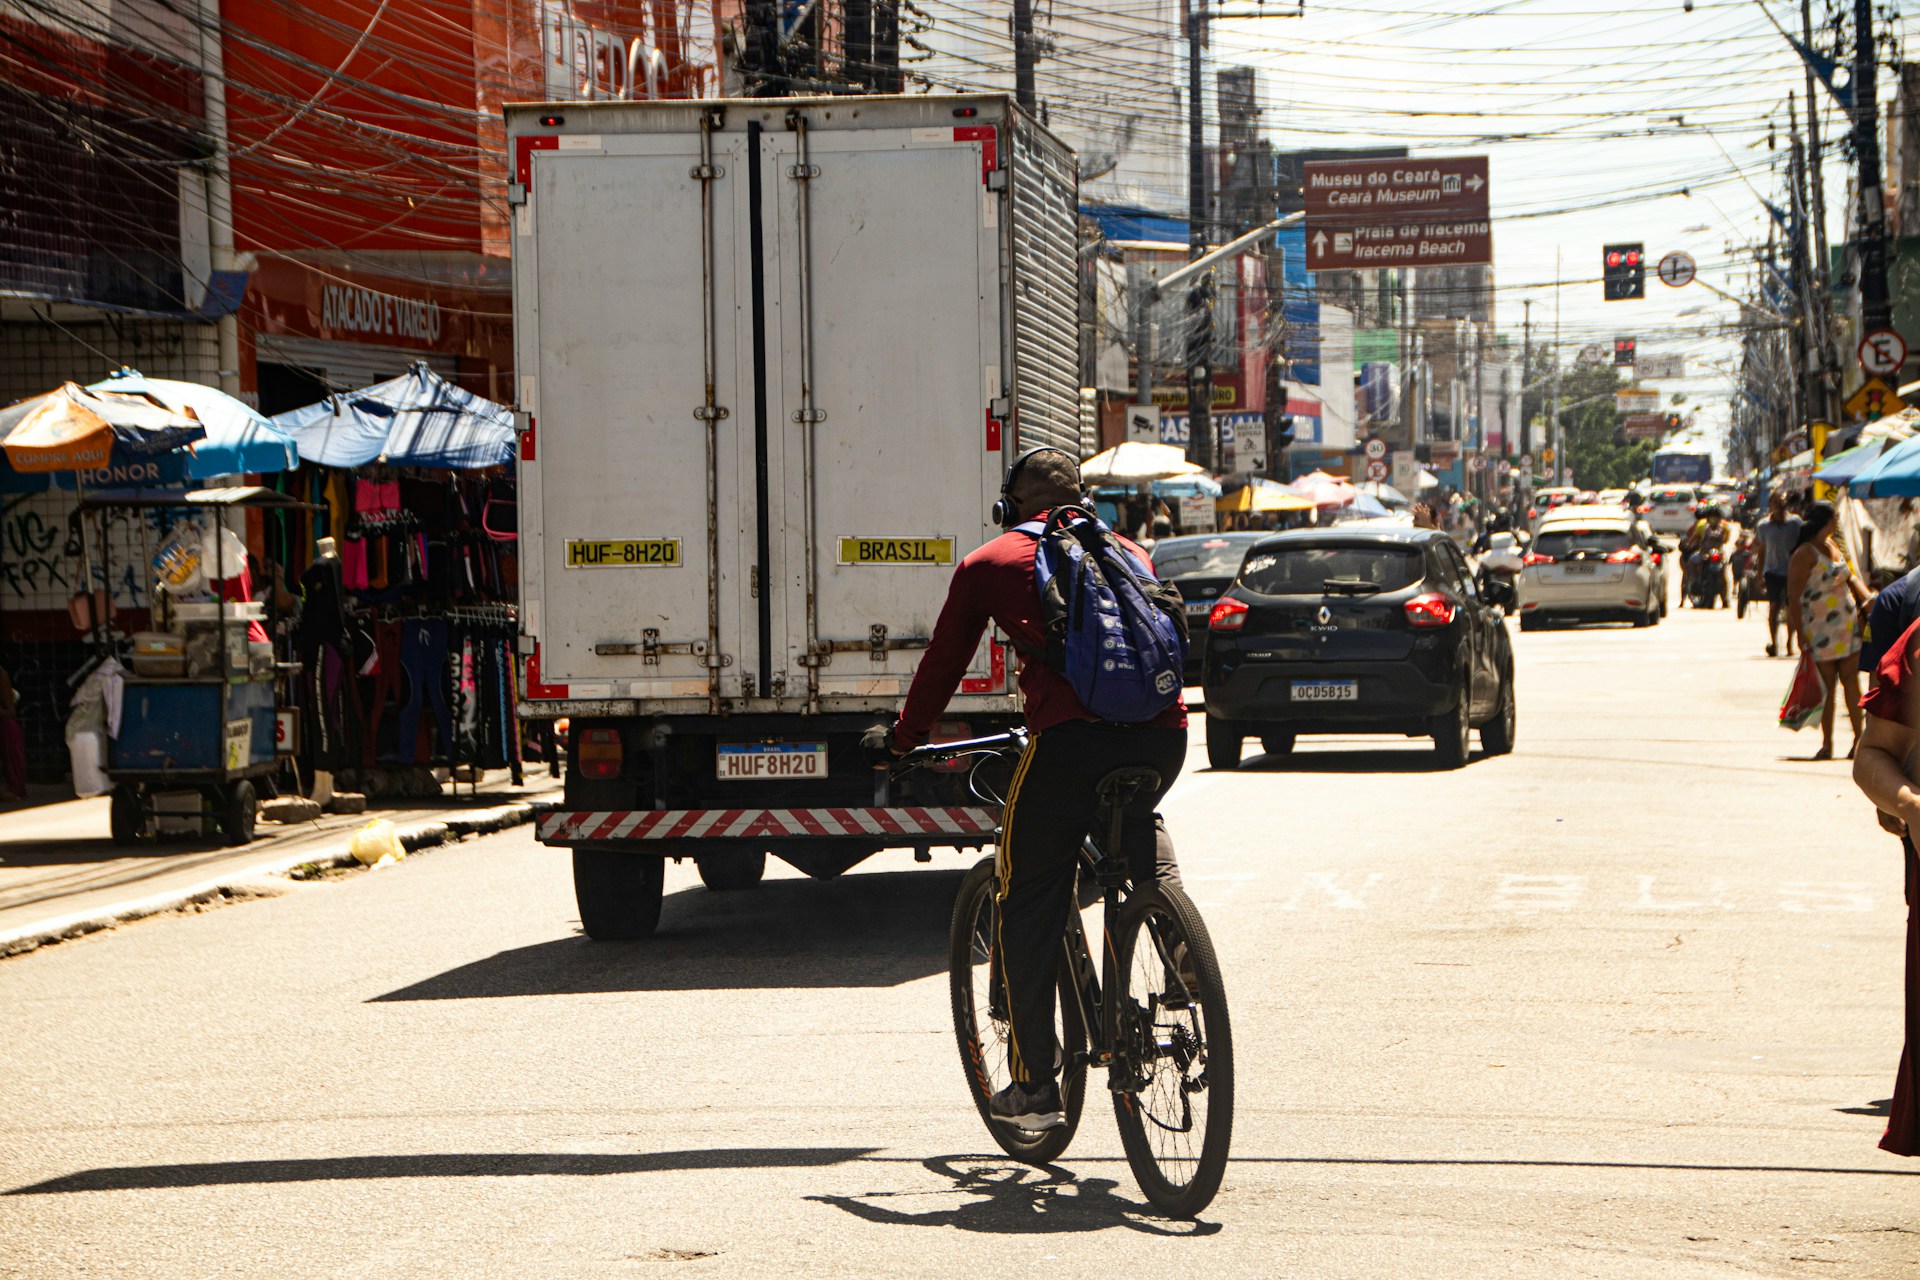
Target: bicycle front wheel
{"type": "Point", "coordinates": [1173, 1074]}
{"type": "Point", "coordinates": [980, 1022]}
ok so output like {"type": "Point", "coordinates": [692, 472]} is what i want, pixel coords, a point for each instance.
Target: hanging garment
{"type": "Point", "coordinates": [423, 654]}
{"type": "Point", "coordinates": [389, 686]}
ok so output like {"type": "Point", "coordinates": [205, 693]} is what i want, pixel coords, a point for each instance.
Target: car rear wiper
{"type": "Point", "coordinates": [1349, 587]}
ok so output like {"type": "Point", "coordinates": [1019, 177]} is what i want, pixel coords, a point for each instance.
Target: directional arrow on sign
{"type": "Point", "coordinates": [1475, 182]}
{"type": "Point", "coordinates": [1319, 242]}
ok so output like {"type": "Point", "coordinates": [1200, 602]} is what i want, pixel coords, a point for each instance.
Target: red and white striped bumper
{"type": "Point", "coordinates": [562, 827]}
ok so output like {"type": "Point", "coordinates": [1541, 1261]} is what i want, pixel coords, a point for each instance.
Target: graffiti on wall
{"type": "Point", "coordinates": [41, 556]}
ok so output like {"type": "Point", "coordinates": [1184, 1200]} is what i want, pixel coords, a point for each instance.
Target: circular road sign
{"type": "Point", "coordinates": [1376, 448]}
{"type": "Point", "coordinates": [1676, 269]}
{"type": "Point", "coordinates": [1526, 462]}
{"type": "Point", "coordinates": [1377, 469]}
{"type": "Point", "coordinates": [1882, 352]}
{"type": "Point", "coordinates": [1478, 462]}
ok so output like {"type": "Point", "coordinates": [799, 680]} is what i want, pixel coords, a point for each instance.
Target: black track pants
{"type": "Point", "coordinates": [1054, 802]}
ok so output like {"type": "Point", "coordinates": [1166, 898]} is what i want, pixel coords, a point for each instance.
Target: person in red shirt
{"type": "Point", "coordinates": [1053, 801]}
{"type": "Point", "coordinates": [1883, 768]}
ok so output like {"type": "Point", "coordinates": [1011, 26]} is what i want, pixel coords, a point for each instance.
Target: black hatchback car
{"type": "Point", "coordinates": [1378, 629]}
{"type": "Point", "coordinates": [1202, 566]}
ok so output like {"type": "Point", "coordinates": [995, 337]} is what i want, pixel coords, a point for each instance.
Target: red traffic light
{"type": "Point", "coordinates": [1633, 257]}
{"type": "Point", "coordinates": [1613, 259]}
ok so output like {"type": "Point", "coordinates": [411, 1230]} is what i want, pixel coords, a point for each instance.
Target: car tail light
{"type": "Point", "coordinates": [600, 754]}
{"type": "Point", "coordinates": [1629, 555]}
{"type": "Point", "coordinates": [1228, 615]}
{"type": "Point", "coordinates": [1429, 610]}
{"type": "Point", "coordinates": [1534, 557]}
{"type": "Point", "coordinates": [1533, 513]}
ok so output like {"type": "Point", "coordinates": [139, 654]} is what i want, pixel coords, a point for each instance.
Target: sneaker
{"type": "Point", "coordinates": [1030, 1108]}
{"type": "Point", "coordinates": [1773, 651]}
{"type": "Point", "coordinates": [1181, 981]}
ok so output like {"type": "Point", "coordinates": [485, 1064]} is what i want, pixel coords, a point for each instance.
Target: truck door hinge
{"type": "Point", "coordinates": [877, 642]}
{"type": "Point", "coordinates": [706, 172]}
{"type": "Point", "coordinates": [753, 581]}
{"type": "Point", "coordinates": [804, 416]}
{"type": "Point", "coordinates": [710, 412]}
{"type": "Point", "coordinates": [997, 180]}
{"type": "Point", "coordinates": [802, 172]}
{"type": "Point", "coordinates": [516, 193]}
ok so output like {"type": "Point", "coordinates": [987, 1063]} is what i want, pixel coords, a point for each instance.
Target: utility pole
{"type": "Point", "coordinates": [1828, 382]}
{"type": "Point", "coordinates": [1876, 311]}
{"type": "Point", "coordinates": [1802, 331]}
{"type": "Point", "coordinates": [1525, 481]}
{"type": "Point", "coordinates": [1023, 55]}
{"type": "Point", "coordinates": [1554, 432]}
{"type": "Point", "coordinates": [1199, 299]}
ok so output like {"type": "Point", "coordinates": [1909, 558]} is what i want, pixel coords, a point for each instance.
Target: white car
{"type": "Point", "coordinates": [1671, 508]}
{"type": "Point", "coordinates": [1546, 500]}
{"type": "Point", "coordinates": [1593, 564]}
{"type": "Point", "coordinates": [1612, 498]}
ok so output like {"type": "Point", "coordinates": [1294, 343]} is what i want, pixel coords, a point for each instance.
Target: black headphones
{"type": "Point", "coordinates": [1003, 511]}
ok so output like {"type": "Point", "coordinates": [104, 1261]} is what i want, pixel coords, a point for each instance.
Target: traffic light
{"type": "Point", "coordinates": [1624, 272]}
{"type": "Point", "coordinates": [1673, 422]}
{"type": "Point", "coordinates": [1623, 351]}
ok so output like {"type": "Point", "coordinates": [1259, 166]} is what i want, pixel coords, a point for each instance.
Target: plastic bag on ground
{"type": "Point", "coordinates": [376, 842]}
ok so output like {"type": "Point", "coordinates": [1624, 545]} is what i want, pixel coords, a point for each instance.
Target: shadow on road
{"type": "Point", "coordinates": [1361, 760]}
{"type": "Point", "coordinates": [997, 1196]}
{"type": "Point", "coordinates": [477, 1165]}
{"type": "Point", "coordinates": [1882, 1107]}
{"type": "Point", "coordinates": [877, 930]}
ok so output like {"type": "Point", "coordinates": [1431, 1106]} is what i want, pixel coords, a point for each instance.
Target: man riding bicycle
{"type": "Point", "coordinates": [1053, 800]}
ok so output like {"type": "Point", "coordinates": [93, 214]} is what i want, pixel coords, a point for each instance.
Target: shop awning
{"type": "Point", "coordinates": [416, 420]}
{"type": "Point", "coordinates": [1263, 495]}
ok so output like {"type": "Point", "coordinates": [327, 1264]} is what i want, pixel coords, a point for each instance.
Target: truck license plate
{"type": "Point", "coordinates": [1326, 691]}
{"type": "Point", "coordinates": [753, 761]}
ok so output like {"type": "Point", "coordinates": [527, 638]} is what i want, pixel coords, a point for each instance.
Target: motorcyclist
{"type": "Point", "coordinates": [1708, 535]}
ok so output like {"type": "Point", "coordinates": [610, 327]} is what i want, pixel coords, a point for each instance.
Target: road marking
{"type": "Point", "coordinates": [1825, 895]}
{"type": "Point", "coordinates": [1527, 894]}
{"type": "Point", "coordinates": [1648, 902]}
{"type": "Point", "coordinates": [1328, 882]}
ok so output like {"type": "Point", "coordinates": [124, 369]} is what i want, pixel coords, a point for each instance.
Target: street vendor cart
{"type": "Point", "coordinates": [196, 744]}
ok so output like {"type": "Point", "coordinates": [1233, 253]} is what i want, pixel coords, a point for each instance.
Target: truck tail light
{"type": "Point", "coordinates": [1228, 615]}
{"type": "Point", "coordinates": [1429, 610]}
{"type": "Point", "coordinates": [600, 754]}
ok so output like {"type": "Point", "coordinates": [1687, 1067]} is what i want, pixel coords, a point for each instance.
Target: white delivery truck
{"type": "Point", "coordinates": [774, 357]}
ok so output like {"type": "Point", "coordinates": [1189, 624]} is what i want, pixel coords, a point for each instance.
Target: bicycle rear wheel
{"type": "Point", "coordinates": [980, 1022]}
{"type": "Point", "coordinates": [1173, 1075]}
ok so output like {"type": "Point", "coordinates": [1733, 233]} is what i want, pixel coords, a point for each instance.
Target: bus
{"type": "Point", "coordinates": [1683, 465]}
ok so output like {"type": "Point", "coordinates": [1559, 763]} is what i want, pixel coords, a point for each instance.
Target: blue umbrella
{"type": "Point", "coordinates": [416, 420]}
{"type": "Point", "coordinates": [238, 438]}
{"type": "Point", "coordinates": [1894, 474]}
{"type": "Point", "coordinates": [1843, 467]}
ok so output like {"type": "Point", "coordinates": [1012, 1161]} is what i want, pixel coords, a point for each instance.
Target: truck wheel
{"type": "Point", "coordinates": [236, 819]}
{"type": "Point", "coordinates": [126, 816]}
{"type": "Point", "coordinates": [736, 870]}
{"type": "Point", "coordinates": [618, 893]}
{"type": "Point", "coordinates": [1223, 743]}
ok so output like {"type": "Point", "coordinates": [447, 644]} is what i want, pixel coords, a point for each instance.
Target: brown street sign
{"type": "Point", "coordinates": [1358, 193]}
{"type": "Point", "coordinates": [1642, 426]}
{"type": "Point", "coordinates": [1428, 243]}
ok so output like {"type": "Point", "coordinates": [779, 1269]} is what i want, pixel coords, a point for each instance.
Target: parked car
{"type": "Point", "coordinates": [1593, 564]}
{"type": "Point", "coordinates": [1670, 508]}
{"type": "Point", "coordinates": [1202, 566]}
{"type": "Point", "coordinates": [1358, 629]}
{"type": "Point", "coordinates": [1545, 500]}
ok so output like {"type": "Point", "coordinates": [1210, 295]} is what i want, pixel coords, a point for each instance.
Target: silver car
{"type": "Point", "coordinates": [1593, 564]}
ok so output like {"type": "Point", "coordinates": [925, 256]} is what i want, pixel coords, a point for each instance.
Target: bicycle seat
{"type": "Point", "coordinates": [1119, 788]}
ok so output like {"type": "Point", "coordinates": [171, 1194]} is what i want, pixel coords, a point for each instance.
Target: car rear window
{"type": "Point", "coordinates": [1673, 495]}
{"type": "Point", "coordinates": [1306, 570]}
{"type": "Point", "coordinates": [1201, 557]}
{"type": "Point", "coordinates": [1564, 544]}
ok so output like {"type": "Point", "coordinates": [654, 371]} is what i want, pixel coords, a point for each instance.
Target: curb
{"type": "Point", "coordinates": [235, 884]}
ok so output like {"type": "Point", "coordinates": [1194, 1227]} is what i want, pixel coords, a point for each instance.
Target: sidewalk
{"type": "Point", "coordinates": [61, 875]}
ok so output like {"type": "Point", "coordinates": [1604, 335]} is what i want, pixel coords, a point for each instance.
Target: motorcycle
{"type": "Point", "coordinates": [1707, 579]}
{"type": "Point", "coordinates": [1748, 586]}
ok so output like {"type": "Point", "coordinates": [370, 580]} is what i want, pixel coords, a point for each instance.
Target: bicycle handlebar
{"type": "Point", "coordinates": [938, 751]}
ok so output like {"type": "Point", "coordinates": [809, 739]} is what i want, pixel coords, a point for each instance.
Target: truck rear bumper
{"type": "Point", "coordinates": [886, 827]}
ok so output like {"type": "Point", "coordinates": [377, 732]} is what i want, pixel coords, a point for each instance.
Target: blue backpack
{"type": "Point", "coordinates": [1115, 631]}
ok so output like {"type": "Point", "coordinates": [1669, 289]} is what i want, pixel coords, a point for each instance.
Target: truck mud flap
{"type": "Point", "coordinates": [909, 826]}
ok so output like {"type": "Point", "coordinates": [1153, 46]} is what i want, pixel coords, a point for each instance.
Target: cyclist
{"type": "Point", "coordinates": [1052, 802]}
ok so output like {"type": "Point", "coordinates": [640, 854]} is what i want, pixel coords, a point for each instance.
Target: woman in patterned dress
{"type": "Point", "coordinates": [1824, 601]}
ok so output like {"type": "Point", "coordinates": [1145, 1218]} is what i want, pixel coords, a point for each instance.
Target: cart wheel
{"type": "Point", "coordinates": [237, 819]}
{"type": "Point", "coordinates": [126, 816]}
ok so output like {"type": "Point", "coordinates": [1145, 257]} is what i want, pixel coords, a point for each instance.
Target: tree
{"type": "Point", "coordinates": [1596, 456]}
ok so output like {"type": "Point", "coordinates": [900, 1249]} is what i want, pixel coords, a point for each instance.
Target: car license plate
{"type": "Point", "coordinates": [754, 761]}
{"type": "Point", "coordinates": [1582, 568]}
{"type": "Point", "coordinates": [1199, 608]}
{"type": "Point", "coordinates": [1326, 691]}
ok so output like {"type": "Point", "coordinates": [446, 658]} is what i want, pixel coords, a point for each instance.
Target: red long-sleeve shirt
{"type": "Point", "coordinates": [995, 584]}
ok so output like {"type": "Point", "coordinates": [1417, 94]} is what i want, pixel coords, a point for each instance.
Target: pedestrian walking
{"type": "Point", "coordinates": [1883, 772]}
{"type": "Point", "coordinates": [1824, 596]}
{"type": "Point", "coordinates": [1779, 534]}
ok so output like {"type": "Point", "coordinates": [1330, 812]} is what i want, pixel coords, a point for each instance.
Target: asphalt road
{"type": "Point", "coordinates": [1625, 1003]}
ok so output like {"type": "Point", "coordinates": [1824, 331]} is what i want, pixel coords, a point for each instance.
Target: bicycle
{"type": "Point", "coordinates": [1155, 1015]}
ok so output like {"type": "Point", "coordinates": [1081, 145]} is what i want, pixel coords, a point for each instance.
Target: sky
{"type": "Point", "coordinates": [1574, 102]}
